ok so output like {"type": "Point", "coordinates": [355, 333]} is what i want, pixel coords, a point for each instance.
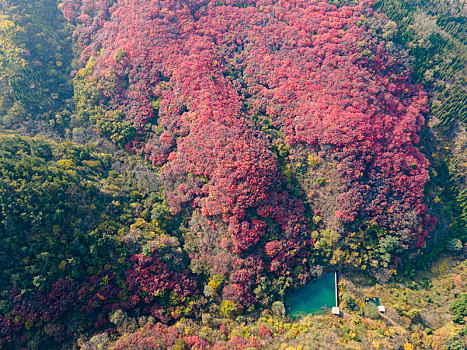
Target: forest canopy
{"type": "Point", "coordinates": [261, 116]}
{"type": "Point", "coordinates": [171, 168]}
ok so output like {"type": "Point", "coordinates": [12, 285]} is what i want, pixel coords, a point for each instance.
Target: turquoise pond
{"type": "Point", "coordinates": [317, 297]}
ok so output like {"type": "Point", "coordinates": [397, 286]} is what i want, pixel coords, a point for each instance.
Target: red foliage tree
{"type": "Point", "coordinates": [203, 71]}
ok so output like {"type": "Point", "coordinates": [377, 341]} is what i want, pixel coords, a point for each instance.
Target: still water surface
{"type": "Point", "coordinates": [317, 297]}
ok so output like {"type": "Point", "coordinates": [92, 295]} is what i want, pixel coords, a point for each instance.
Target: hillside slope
{"type": "Point", "coordinates": [171, 170]}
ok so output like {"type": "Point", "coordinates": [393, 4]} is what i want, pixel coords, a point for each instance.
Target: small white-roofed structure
{"type": "Point", "coordinates": [381, 308]}
{"type": "Point", "coordinates": [335, 310]}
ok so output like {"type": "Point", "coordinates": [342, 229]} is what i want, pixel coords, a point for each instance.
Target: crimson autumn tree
{"type": "Point", "coordinates": [213, 87]}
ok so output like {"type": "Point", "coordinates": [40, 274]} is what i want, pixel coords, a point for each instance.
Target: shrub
{"type": "Point", "coordinates": [459, 319]}
{"type": "Point", "coordinates": [228, 308]}
{"type": "Point", "coordinates": [278, 308]}
{"type": "Point", "coordinates": [349, 302]}
{"type": "Point", "coordinates": [455, 344]}
{"type": "Point", "coordinates": [414, 315]}
{"type": "Point", "coordinates": [180, 345]}
{"type": "Point", "coordinates": [371, 310]}
{"type": "Point", "coordinates": [459, 306]}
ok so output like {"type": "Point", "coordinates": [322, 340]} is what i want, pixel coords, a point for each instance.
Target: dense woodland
{"type": "Point", "coordinates": [170, 170]}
